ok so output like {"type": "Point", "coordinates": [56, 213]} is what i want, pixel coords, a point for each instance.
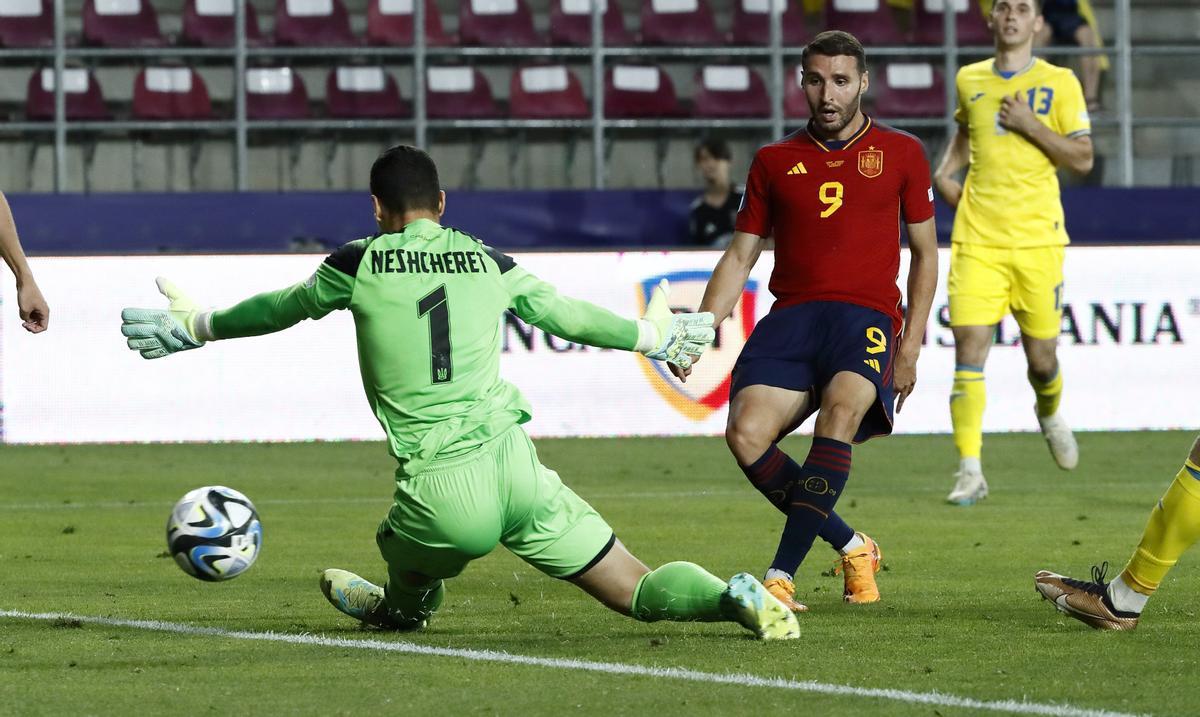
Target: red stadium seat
{"type": "Point", "coordinates": [170, 93]}
{"type": "Point", "coordinates": [496, 23]}
{"type": "Point", "coordinates": [795, 104]}
{"type": "Point", "coordinates": [275, 93]}
{"type": "Point", "coordinates": [458, 93]}
{"type": "Point", "coordinates": [390, 22]}
{"type": "Point", "coordinates": [909, 89]}
{"type": "Point", "coordinates": [730, 91]}
{"type": "Point", "coordinates": [871, 21]}
{"type": "Point", "coordinates": [639, 91]}
{"type": "Point", "coordinates": [571, 23]}
{"type": "Point", "coordinates": [84, 99]}
{"type": "Point", "coordinates": [546, 92]}
{"type": "Point", "coordinates": [26, 23]}
{"type": "Point", "coordinates": [323, 23]}
{"type": "Point", "coordinates": [210, 23]}
{"type": "Point", "coordinates": [679, 22]}
{"type": "Point", "coordinates": [121, 23]}
{"type": "Point", "coordinates": [363, 92]}
{"type": "Point", "coordinates": [970, 27]}
{"type": "Point", "coordinates": [752, 23]}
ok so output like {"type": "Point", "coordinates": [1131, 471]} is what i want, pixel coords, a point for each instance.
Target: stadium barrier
{"type": "Point", "coordinates": [1131, 317]}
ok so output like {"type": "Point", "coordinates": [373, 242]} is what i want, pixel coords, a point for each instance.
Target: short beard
{"type": "Point", "coordinates": [845, 118]}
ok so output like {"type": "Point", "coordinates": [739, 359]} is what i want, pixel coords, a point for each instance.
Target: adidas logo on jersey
{"type": "Point", "coordinates": [873, 363]}
{"type": "Point", "coordinates": [798, 169]}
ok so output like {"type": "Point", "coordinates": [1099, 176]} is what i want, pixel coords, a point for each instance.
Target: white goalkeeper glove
{"type": "Point", "coordinates": [155, 333]}
{"type": "Point", "coordinates": [674, 338]}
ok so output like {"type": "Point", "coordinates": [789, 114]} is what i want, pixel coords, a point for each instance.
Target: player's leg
{"type": "Point", "coordinates": [1089, 67]}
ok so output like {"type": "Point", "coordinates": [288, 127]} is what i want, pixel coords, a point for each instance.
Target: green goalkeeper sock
{"type": "Point", "coordinates": [679, 591]}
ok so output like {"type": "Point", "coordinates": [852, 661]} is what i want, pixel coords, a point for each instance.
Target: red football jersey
{"type": "Point", "coordinates": [835, 214]}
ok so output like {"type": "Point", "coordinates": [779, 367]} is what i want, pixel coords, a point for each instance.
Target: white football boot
{"type": "Point", "coordinates": [969, 487]}
{"type": "Point", "coordinates": [1061, 441]}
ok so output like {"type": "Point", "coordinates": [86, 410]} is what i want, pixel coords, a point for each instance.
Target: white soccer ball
{"type": "Point", "coordinates": [214, 533]}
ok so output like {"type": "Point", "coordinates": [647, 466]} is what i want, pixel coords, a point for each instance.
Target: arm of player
{"type": "Point", "coordinates": [955, 159]}
{"type": "Point", "coordinates": [922, 282]}
{"type": "Point", "coordinates": [31, 305]}
{"type": "Point", "coordinates": [1075, 152]}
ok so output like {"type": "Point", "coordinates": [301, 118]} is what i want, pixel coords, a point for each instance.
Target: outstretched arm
{"type": "Point", "coordinates": [922, 282]}
{"type": "Point", "coordinates": [35, 313]}
{"type": "Point", "coordinates": [729, 277]}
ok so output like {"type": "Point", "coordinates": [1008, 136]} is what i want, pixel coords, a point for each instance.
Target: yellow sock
{"type": "Point", "coordinates": [1049, 394]}
{"type": "Point", "coordinates": [968, 398]}
{"type": "Point", "coordinates": [1173, 527]}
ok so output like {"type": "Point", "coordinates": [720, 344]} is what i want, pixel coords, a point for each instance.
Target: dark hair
{"type": "Point", "coordinates": [716, 147]}
{"type": "Point", "coordinates": [1037, 6]}
{"type": "Point", "coordinates": [404, 178]}
{"type": "Point", "coordinates": [833, 43]}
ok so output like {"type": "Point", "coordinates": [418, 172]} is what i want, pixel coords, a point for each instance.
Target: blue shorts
{"type": "Point", "coordinates": [1064, 19]}
{"type": "Point", "coordinates": [802, 347]}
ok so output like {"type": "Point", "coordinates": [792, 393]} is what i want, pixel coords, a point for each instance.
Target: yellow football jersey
{"type": "Point", "coordinates": [1011, 196]}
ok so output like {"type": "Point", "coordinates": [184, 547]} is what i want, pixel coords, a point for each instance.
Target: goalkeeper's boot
{"type": "Point", "coordinates": [1086, 601]}
{"type": "Point", "coordinates": [360, 599]}
{"type": "Point", "coordinates": [1061, 441]}
{"type": "Point", "coordinates": [858, 568]}
{"type": "Point", "coordinates": [969, 488]}
{"type": "Point", "coordinates": [749, 604]}
{"type": "Point", "coordinates": [785, 592]}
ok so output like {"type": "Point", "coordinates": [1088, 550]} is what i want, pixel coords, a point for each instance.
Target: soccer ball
{"type": "Point", "coordinates": [214, 533]}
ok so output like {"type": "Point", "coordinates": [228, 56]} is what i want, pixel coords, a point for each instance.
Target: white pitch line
{"type": "Point", "coordinates": [613, 668]}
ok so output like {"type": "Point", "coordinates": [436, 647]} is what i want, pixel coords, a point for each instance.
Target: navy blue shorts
{"type": "Point", "coordinates": [802, 347]}
{"type": "Point", "coordinates": [1064, 19]}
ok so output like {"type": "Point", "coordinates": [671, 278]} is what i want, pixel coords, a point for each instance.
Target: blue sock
{"type": "Point", "coordinates": [811, 502]}
{"type": "Point", "coordinates": [773, 475]}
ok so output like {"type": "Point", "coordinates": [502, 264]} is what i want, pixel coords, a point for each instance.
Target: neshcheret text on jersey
{"type": "Point", "coordinates": [404, 261]}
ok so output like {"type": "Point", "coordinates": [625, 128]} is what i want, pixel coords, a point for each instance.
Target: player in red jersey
{"type": "Point", "coordinates": [835, 342]}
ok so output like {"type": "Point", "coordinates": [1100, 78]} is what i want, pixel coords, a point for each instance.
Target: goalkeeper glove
{"type": "Point", "coordinates": [160, 332]}
{"type": "Point", "coordinates": [674, 338]}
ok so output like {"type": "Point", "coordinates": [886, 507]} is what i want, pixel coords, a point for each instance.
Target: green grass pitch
{"type": "Point", "coordinates": [81, 531]}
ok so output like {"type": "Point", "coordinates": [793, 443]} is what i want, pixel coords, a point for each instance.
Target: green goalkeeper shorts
{"type": "Point", "coordinates": [460, 508]}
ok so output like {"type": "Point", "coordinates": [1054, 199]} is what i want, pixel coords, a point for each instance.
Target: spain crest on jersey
{"type": "Point", "coordinates": [707, 388]}
{"type": "Point", "coordinates": [870, 162]}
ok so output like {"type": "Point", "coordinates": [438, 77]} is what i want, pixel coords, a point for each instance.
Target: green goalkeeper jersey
{"type": "Point", "coordinates": [428, 305]}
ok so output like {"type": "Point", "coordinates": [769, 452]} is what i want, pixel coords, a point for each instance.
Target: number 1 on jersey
{"type": "Point", "coordinates": [437, 307]}
{"type": "Point", "coordinates": [830, 194]}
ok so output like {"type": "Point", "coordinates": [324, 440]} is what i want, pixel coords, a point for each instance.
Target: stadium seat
{"type": "Point", "coordinates": [571, 23]}
{"type": "Point", "coordinates": [458, 93]}
{"type": "Point", "coordinates": [909, 89]}
{"type": "Point", "coordinates": [752, 23]}
{"type": "Point", "coordinates": [730, 91]}
{"type": "Point", "coordinates": [871, 21]}
{"type": "Point", "coordinates": [639, 91]}
{"type": "Point", "coordinates": [85, 101]}
{"type": "Point", "coordinates": [26, 23]}
{"type": "Point", "coordinates": [322, 23]}
{"type": "Point", "coordinates": [390, 22]}
{"type": "Point", "coordinates": [275, 93]}
{"type": "Point", "coordinates": [970, 27]}
{"type": "Point", "coordinates": [795, 104]}
{"type": "Point", "coordinates": [496, 23]}
{"type": "Point", "coordinates": [679, 22]}
{"type": "Point", "coordinates": [210, 23]}
{"type": "Point", "coordinates": [121, 23]}
{"type": "Point", "coordinates": [546, 92]}
{"type": "Point", "coordinates": [170, 93]}
{"type": "Point", "coordinates": [363, 92]}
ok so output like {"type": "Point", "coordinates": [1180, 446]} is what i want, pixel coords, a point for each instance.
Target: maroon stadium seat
{"type": "Point", "coordinates": [751, 22]}
{"type": "Point", "coordinates": [909, 89]}
{"type": "Point", "coordinates": [170, 93]}
{"type": "Point", "coordinates": [639, 91]}
{"type": "Point", "coordinates": [730, 91]}
{"type": "Point", "coordinates": [794, 102]}
{"type": "Point", "coordinates": [121, 23]}
{"type": "Point", "coordinates": [363, 92]}
{"type": "Point", "coordinates": [970, 27]}
{"type": "Point", "coordinates": [571, 23]}
{"type": "Point", "coordinates": [84, 99]}
{"type": "Point", "coordinates": [679, 22]}
{"type": "Point", "coordinates": [306, 23]}
{"type": "Point", "coordinates": [26, 23]}
{"type": "Point", "coordinates": [458, 93]}
{"type": "Point", "coordinates": [210, 23]}
{"type": "Point", "coordinates": [496, 23]}
{"type": "Point", "coordinates": [275, 93]}
{"type": "Point", "coordinates": [546, 92]}
{"type": "Point", "coordinates": [871, 21]}
{"type": "Point", "coordinates": [390, 22]}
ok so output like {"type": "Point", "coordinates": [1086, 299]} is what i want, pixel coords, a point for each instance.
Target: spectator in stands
{"type": "Point", "coordinates": [35, 313]}
{"type": "Point", "coordinates": [712, 215]}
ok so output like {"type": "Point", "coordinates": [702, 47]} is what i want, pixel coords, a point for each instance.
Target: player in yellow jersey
{"type": "Point", "coordinates": [1174, 526]}
{"type": "Point", "coordinates": [1019, 119]}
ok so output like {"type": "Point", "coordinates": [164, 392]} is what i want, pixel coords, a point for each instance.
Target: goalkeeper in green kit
{"type": "Point", "coordinates": [427, 302]}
